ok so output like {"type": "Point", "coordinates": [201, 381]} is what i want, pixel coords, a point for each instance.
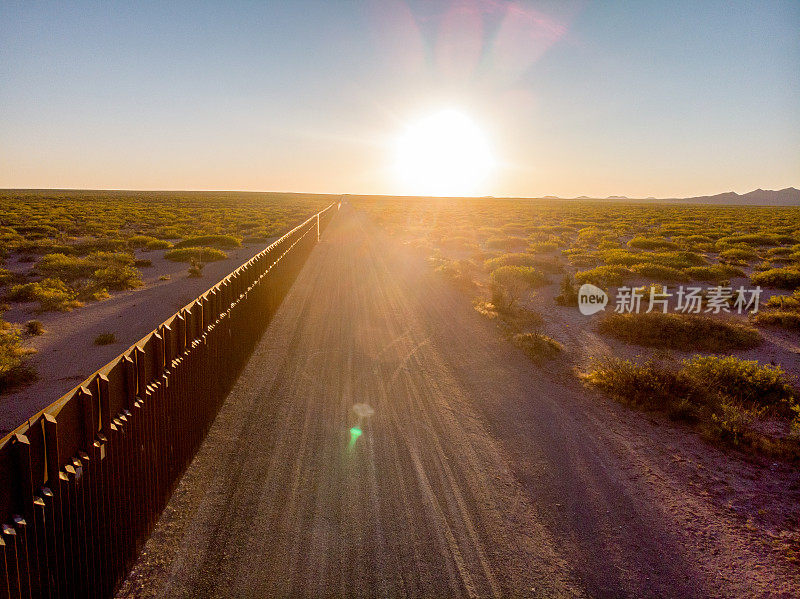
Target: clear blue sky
{"type": "Point", "coordinates": [597, 98]}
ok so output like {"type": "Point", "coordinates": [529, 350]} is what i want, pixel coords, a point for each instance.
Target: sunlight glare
{"type": "Point", "coordinates": [444, 154]}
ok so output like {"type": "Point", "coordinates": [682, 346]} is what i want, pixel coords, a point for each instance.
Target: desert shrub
{"type": "Point", "coordinates": [621, 257]}
{"type": "Point", "coordinates": [781, 311]}
{"type": "Point", "coordinates": [34, 327]}
{"type": "Point", "coordinates": [537, 347]}
{"type": "Point", "coordinates": [569, 292]}
{"type": "Point", "coordinates": [738, 255]}
{"type": "Point", "coordinates": [543, 247]}
{"type": "Point", "coordinates": [722, 395]}
{"type": "Point", "coordinates": [164, 278]}
{"type": "Point", "coordinates": [210, 241]}
{"type": "Point", "coordinates": [778, 318]}
{"type": "Point", "coordinates": [195, 269]}
{"type": "Point", "coordinates": [781, 278]}
{"type": "Point", "coordinates": [111, 258]}
{"type": "Point", "coordinates": [680, 331]}
{"type": "Point", "coordinates": [678, 259]}
{"type": "Point", "coordinates": [13, 372]}
{"type": "Point", "coordinates": [659, 272]}
{"type": "Point", "coordinates": [784, 302]}
{"type": "Point", "coordinates": [603, 276]}
{"type": "Point", "coordinates": [509, 283]}
{"type": "Point", "coordinates": [7, 277]}
{"type": "Point", "coordinates": [72, 268]}
{"type": "Point", "coordinates": [99, 245]}
{"type": "Point", "coordinates": [158, 244]}
{"type": "Point", "coordinates": [759, 239]}
{"type": "Point", "coordinates": [547, 265]}
{"type": "Point", "coordinates": [697, 239]}
{"type": "Point", "coordinates": [199, 254]}
{"type": "Point", "coordinates": [458, 272]}
{"type": "Point", "coordinates": [457, 243]}
{"type": "Point", "coordinates": [583, 260]}
{"type": "Point", "coordinates": [714, 273]}
{"type": "Point", "coordinates": [744, 381]}
{"type": "Point", "coordinates": [778, 251]}
{"type": "Point", "coordinates": [52, 294]}
{"type": "Point", "coordinates": [508, 244]}
{"type": "Point", "coordinates": [105, 339]}
{"type": "Point", "coordinates": [147, 242]}
{"type": "Point", "coordinates": [66, 268]}
{"type": "Point", "coordinates": [642, 384]}
{"type": "Point", "coordinates": [652, 243]}
{"type": "Point", "coordinates": [117, 277]}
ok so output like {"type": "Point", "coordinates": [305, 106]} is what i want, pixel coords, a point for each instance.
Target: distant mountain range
{"type": "Point", "coordinates": [760, 197]}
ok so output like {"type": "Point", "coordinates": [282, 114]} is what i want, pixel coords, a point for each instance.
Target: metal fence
{"type": "Point", "coordinates": [83, 482]}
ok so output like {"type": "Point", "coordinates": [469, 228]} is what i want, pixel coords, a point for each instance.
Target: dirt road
{"type": "Point", "coordinates": [478, 473]}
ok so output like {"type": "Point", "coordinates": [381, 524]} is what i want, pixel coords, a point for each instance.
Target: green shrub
{"type": "Point", "coordinates": [780, 278]}
{"type": "Point", "coordinates": [547, 265]}
{"type": "Point", "coordinates": [34, 327]}
{"type": "Point", "coordinates": [738, 255]}
{"type": "Point", "coordinates": [99, 245]}
{"type": "Point", "coordinates": [537, 347]}
{"type": "Point", "coordinates": [543, 247]}
{"type": "Point", "coordinates": [759, 239]}
{"type": "Point", "coordinates": [72, 268]}
{"type": "Point", "coordinates": [13, 372]}
{"type": "Point", "coordinates": [620, 257]}
{"type": "Point", "coordinates": [778, 318]}
{"type": "Point", "coordinates": [679, 259]}
{"type": "Point", "coordinates": [786, 302]}
{"type": "Point", "coordinates": [642, 384]}
{"type": "Point", "coordinates": [202, 254]}
{"type": "Point", "coordinates": [508, 244]}
{"type": "Point", "coordinates": [210, 241]}
{"type": "Point", "coordinates": [66, 268]}
{"type": "Point", "coordinates": [569, 292]}
{"type": "Point", "coordinates": [680, 331]}
{"type": "Point", "coordinates": [117, 277]}
{"type": "Point", "coordinates": [603, 276]}
{"type": "Point", "coordinates": [195, 269]}
{"type": "Point", "coordinates": [458, 272]}
{"type": "Point", "coordinates": [714, 273]}
{"type": "Point", "coordinates": [158, 244]}
{"type": "Point", "coordinates": [105, 339]}
{"type": "Point", "coordinates": [52, 294]}
{"type": "Point", "coordinates": [779, 251]}
{"type": "Point", "coordinates": [742, 380]}
{"type": "Point", "coordinates": [652, 243]}
{"type": "Point", "coordinates": [148, 242]}
{"type": "Point", "coordinates": [509, 283]}
{"type": "Point", "coordinates": [658, 272]}
{"type": "Point", "coordinates": [721, 395]}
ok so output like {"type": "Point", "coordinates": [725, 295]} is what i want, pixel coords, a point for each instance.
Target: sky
{"type": "Point", "coordinates": [639, 98]}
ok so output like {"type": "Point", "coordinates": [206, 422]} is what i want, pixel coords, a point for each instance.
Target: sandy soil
{"type": "Point", "coordinates": [479, 474]}
{"type": "Point", "coordinates": [66, 353]}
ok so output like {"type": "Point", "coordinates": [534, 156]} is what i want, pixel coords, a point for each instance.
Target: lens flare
{"type": "Point", "coordinates": [355, 433]}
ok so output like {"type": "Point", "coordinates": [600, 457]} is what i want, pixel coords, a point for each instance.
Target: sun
{"type": "Point", "coordinates": [443, 154]}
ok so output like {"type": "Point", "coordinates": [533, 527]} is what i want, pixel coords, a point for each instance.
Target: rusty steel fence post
{"type": "Point", "coordinates": [83, 482]}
